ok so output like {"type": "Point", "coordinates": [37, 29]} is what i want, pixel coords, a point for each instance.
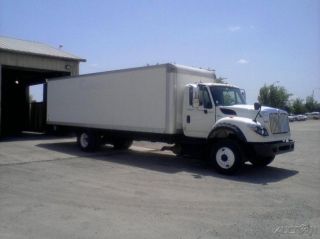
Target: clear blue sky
{"type": "Point", "coordinates": [250, 42]}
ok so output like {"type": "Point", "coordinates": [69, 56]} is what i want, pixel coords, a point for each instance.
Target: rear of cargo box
{"type": "Point", "coordinates": [130, 100]}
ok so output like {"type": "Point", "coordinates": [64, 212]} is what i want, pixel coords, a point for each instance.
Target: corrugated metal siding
{"type": "Point", "coordinates": [39, 62]}
{"type": "Point", "coordinates": [29, 47]}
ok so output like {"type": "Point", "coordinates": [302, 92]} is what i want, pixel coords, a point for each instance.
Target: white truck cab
{"type": "Point", "coordinates": [219, 114]}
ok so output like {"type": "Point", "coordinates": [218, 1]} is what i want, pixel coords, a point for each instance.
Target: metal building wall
{"type": "Point", "coordinates": [39, 62]}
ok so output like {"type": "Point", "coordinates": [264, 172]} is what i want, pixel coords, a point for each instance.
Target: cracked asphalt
{"type": "Point", "coordinates": [50, 189]}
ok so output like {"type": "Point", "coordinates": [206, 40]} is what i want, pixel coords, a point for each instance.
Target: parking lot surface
{"type": "Point", "coordinates": [50, 189]}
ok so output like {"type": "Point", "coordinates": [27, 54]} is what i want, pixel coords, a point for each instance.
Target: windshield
{"type": "Point", "coordinates": [224, 95]}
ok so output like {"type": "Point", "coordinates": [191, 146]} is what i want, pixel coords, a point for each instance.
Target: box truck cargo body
{"type": "Point", "coordinates": [169, 103]}
{"type": "Point", "coordinates": [147, 99]}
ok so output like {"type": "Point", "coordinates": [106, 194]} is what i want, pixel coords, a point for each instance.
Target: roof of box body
{"type": "Point", "coordinates": [169, 67]}
{"type": "Point", "coordinates": [34, 48]}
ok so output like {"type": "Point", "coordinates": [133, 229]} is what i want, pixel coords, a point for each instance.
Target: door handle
{"type": "Point", "coordinates": [188, 119]}
{"type": "Point", "coordinates": [205, 111]}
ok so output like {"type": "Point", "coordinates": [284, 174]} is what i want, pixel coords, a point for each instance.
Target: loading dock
{"type": "Point", "coordinates": [24, 64]}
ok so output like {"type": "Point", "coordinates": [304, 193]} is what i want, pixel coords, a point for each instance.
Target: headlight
{"type": "Point", "coordinates": [259, 129]}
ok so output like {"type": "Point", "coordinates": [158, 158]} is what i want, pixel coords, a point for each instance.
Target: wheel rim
{"type": "Point", "coordinates": [84, 140]}
{"type": "Point", "coordinates": [225, 158]}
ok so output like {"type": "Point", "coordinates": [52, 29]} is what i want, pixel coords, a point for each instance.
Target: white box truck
{"type": "Point", "coordinates": [169, 103]}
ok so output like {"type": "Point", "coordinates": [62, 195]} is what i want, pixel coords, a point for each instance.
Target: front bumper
{"type": "Point", "coordinates": [273, 148]}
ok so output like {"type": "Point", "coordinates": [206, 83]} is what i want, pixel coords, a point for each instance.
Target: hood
{"type": "Point", "coordinates": [248, 111]}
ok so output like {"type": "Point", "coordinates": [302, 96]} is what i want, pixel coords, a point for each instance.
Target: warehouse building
{"type": "Point", "coordinates": [24, 64]}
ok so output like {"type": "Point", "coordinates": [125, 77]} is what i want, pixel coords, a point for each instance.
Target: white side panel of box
{"type": "Point", "coordinates": [127, 100]}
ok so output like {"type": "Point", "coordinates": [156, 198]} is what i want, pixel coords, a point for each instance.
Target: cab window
{"type": "Point", "coordinates": [191, 95]}
{"type": "Point", "coordinates": [204, 98]}
{"type": "Point", "coordinates": [225, 95]}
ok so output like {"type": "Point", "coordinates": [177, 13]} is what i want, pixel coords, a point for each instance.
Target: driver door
{"type": "Point", "coordinates": [199, 118]}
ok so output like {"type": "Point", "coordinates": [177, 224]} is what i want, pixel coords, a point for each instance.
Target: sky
{"type": "Point", "coordinates": [249, 42]}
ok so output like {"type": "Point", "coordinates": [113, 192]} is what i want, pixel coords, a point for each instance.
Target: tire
{"type": "Point", "coordinates": [87, 141]}
{"type": "Point", "coordinates": [261, 161]}
{"type": "Point", "coordinates": [122, 144]}
{"type": "Point", "coordinates": [225, 157]}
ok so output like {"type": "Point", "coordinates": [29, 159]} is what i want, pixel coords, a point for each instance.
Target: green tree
{"type": "Point", "coordinates": [274, 96]}
{"type": "Point", "coordinates": [311, 104]}
{"type": "Point", "coordinates": [298, 107]}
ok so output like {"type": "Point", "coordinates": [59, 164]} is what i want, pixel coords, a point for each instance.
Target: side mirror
{"type": "Point", "coordinates": [196, 103]}
{"type": "Point", "coordinates": [257, 106]}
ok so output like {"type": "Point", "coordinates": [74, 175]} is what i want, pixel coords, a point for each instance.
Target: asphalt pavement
{"type": "Point", "coordinates": [50, 189]}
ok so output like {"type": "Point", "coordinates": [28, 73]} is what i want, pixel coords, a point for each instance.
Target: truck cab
{"type": "Point", "coordinates": [219, 114]}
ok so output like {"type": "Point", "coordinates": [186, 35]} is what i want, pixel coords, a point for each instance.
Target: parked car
{"type": "Point", "coordinates": [301, 118]}
{"type": "Point", "coordinates": [292, 118]}
{"type": "Point", "coordinates": [314, 115]}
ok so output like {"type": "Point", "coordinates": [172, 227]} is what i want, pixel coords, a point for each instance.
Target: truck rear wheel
{"type": "Point", "coordinates": [87, 140]}
{"type": "Point", "coordinates": [225, 157]}
{"type": "Point", "coordinates": [261, 161]}
{"type": "Point", "coordinates": [122, 144]}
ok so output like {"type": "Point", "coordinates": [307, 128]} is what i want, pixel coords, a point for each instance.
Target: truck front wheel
{"type": "Point", "coordinates": [261, 161]}
{"type": "Point", "coordinates": [87, 140]}
{"type": "Point", "coordinates": [225, 157]}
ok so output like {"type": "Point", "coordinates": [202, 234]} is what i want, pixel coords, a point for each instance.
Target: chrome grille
{"type": "Point", "coordinates": [279, 123]}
